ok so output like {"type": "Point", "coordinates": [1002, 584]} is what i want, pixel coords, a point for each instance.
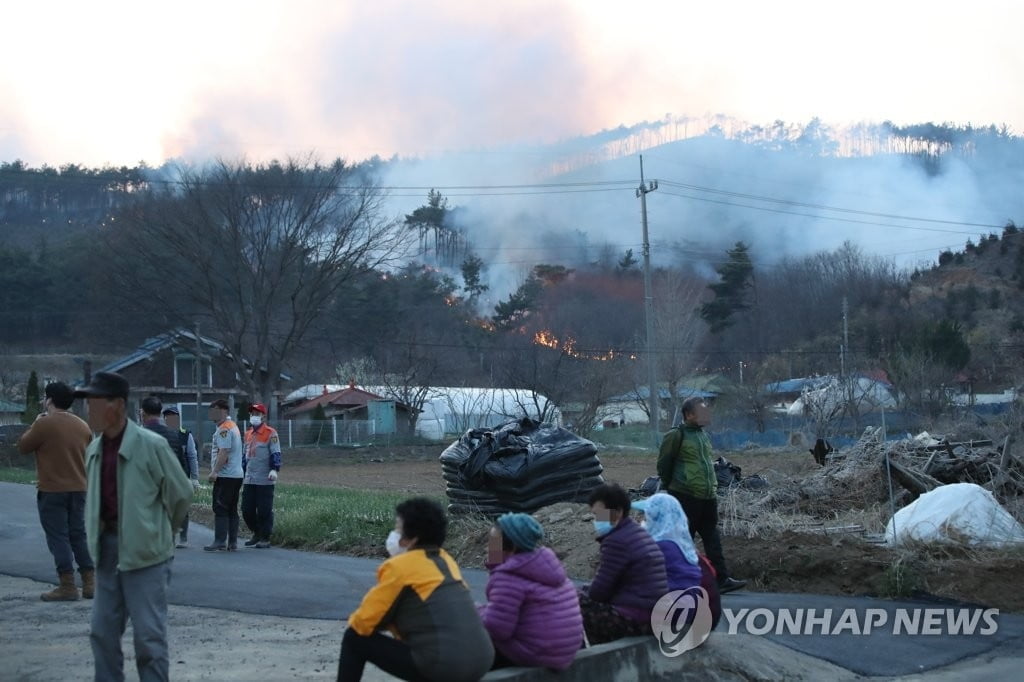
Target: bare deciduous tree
{"type": "Point", "coordinates": [678, 330]}
{"type": "Point", "coordinates": [256, 251]}
{"type": "Point", "coordinates": [921, 382]}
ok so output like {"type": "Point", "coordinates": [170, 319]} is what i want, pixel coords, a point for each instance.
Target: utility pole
{"type": "Point", "coordinates": [654, 397]}
{"type": "Point", "coordinates": [846, 341]}
{"type": "Point", "coordinates": [199, 386]}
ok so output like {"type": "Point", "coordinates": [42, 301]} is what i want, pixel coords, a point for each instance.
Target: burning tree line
{"type": "Point", "coordinates": [297, 265]}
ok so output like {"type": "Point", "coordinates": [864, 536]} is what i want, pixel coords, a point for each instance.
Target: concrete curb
{"type": "Point", "coordinates": [733, 658]}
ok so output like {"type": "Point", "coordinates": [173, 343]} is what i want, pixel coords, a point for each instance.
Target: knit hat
{"type": "Point", "coordinates": [522, 529]}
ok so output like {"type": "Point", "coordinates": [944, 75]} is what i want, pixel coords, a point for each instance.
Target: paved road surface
{"type": "Point", "coordinates": [307, 585]}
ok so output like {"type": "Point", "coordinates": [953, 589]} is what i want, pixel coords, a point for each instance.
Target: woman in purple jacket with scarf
{"type": "Point", "coordinates": [666, 521]}
{"type": "Point", "coordinates": [532, 611]}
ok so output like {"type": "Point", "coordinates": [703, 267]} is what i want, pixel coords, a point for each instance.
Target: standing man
{"type": "Point", "coordinates": [59, 439]}
{"type": "Point", "coordinates": [151, 408]}
{"type": "Point", "coordinates": [688, 473]}
{"type": "Point", "coordinates": [137, 495]}
{"type": "Point", "coordinates": [262, 463]}
{"type": "Point", "coordinates": [226, 475]}
{"type": "Point", "coordinates": [189, 458]}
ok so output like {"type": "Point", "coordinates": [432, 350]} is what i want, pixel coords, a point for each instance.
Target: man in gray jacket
{"type": "Point", "coordinates": [136, 496]}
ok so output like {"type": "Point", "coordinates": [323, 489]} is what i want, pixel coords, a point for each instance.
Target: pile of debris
{"type": "Point", "coordinates": [861, 474]}
{"type": "Point", "coordinates": [519, 466]}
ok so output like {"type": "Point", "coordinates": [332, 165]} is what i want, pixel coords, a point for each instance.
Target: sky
{"type": "Point", "coordinates": [118, 82]}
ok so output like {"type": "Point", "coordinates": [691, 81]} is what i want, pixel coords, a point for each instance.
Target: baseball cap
{"type": "Point", "coordinates": [258, 407]}
{"type": "Point", "coordinates": [104, 385]}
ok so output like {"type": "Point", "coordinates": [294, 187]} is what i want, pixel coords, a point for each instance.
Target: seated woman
{"type": "Point", "coordinates": [630, 577]}
{"type": "Point", "coordinates": [665, 520]}
{"type": "Point", "coordinates": [532, 611]}
{"type": "Point", "coordinates": [421, 598]}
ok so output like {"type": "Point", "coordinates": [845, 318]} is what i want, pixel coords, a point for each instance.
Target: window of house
{"type": "Point", "coordinates": [185, 367]}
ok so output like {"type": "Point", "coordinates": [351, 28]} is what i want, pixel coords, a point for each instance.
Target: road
{"type": "Point", "coordinates": [283, 583]}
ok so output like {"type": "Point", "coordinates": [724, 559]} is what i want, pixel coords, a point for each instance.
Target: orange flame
{"type": "Point", "coordinates": [547, 339]}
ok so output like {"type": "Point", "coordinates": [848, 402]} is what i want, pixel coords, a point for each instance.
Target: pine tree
{"type": "Point", "coordinates": [730, 293]}
{"type": "Point", "coordinates": [31, 399]}
{"type": "Point", "coordinates": [472, 269]}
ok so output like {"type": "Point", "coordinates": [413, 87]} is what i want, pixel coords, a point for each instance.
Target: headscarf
{"type": "Point", "coordinates": [666, 521]}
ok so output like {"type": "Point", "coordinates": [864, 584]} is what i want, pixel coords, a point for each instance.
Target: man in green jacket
{"type": "Point", "coordinates": [687, 472]}
{"type": "Point", "coordinates": [136, 495]}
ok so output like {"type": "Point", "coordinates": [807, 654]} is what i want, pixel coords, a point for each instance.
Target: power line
{"type": "Point", "coordinates": [536, 189]}
{"type": "Point", "coordinates": [818, 217]}
{"type": "Point", "coordinates": [823, 207]}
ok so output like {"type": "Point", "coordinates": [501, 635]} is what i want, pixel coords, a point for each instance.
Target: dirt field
{"type": "Point", "coordinates": [787, 559]}
{"type": "Point", "coordinates": [780, 555]}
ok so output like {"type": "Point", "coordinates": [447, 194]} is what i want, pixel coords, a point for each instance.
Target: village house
{"type": "Point", "coordinates": [184, 370]}
{"type": "Point", "coordinates": [352, 406]}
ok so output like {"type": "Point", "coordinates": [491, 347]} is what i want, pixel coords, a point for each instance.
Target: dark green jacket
{"type": "Point", "coordinates": [685, 465]}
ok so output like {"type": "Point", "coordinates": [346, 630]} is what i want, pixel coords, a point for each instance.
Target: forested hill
{"type": "Point", "coordinates": [981, 288]}
{"type": "Point", "coordinates": [46, 205]}
{"type": "Point", "coordinates": [62, 289]}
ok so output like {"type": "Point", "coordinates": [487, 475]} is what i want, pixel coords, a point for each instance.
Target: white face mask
{"type": "Point", "coordinates": [255, 420]}
{"type": "Point", "coordinates": [391, 544]}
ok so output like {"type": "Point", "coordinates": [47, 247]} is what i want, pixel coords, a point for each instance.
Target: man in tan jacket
{"type": "Point", "coordinates": [59, 438]}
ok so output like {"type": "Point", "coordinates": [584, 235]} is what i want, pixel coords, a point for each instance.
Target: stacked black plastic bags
{"type": "Point", "coordinates": [518, 466]}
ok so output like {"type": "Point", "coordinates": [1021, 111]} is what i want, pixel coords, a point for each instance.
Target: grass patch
{"type": "Point", "coordinates": [901, 579]}
{"type": "Point", "coordinates": [17, 475]}
{"type": "Point", "coordinates": [333, 519]}
{"type": "Point", "coordinates": [630, 435]}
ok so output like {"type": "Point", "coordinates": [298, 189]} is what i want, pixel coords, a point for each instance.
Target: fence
{"type": "Point", "coordinates": [331, 432]}
{"type": "Point", "coordinates": [732, 432]}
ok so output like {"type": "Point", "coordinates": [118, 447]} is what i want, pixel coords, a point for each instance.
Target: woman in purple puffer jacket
{"type": "Point", "coordinates": [532, 611]}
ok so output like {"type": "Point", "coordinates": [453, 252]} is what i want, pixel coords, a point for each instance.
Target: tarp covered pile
{"type": "Point", "coordinates": [963, 513]}
{"type": "Point", "coordinates": [519, 466]}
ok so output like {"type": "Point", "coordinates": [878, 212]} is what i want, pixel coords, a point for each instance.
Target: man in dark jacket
{"type": "Point", "coordinates": [151, 409]}
{"type": "Point", "coordinates": [687, 473]}
{"type": "Point", "coordinates": [189, 458]}
{"type": "Point", "coordinates": [630, 577]}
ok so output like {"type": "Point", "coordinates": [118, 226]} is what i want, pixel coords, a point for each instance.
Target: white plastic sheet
{"type": "Point", "coordinates": [963, 513]}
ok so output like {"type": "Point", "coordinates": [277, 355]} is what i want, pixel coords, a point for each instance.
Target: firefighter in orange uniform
{"type": "Point", "coordinates": [262, 463]}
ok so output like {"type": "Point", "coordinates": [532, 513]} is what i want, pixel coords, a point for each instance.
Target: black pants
{"type": "Point", "coordinates": [387, 653]}
{"type": "Point", "coordinates": [258, 509]}
{"type": "Point", "coordinates": [225, 497]}
{"type": "Point", "coordinates": [602, 623]}
{"type": "Point", "coordinates": [702, 516]}
{"type": "Point", "coordinates": [62, 516]}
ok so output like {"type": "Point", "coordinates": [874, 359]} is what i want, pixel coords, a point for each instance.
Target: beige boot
{"type": "Point", "coordinates": [88, 584]}
{"type": "Point", "coordinates": [66, 591]}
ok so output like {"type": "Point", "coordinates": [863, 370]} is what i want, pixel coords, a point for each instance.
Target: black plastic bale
{"type": "Point", "coordinates": [520, 465]}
